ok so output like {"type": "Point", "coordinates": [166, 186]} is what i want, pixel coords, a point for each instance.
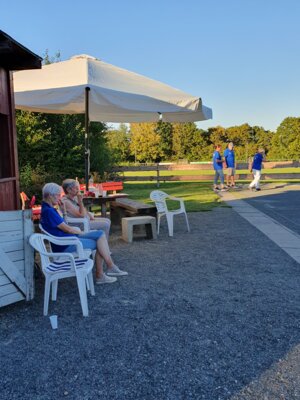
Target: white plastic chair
{"type": "Point", "coordinates": [75, 221]}
{"type": "Point", "coordinates": [87, 252]}
{"type": "Point", "coordinates": [159, 197]}
{"type": "Point", "coordinates": [57, 266]}
{"type": "Point", "coordinates": [83, 222]}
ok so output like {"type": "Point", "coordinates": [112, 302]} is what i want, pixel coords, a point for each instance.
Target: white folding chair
{"type": "Point", "coordinates": [57, 266]}
{"type": "Point", "coordinates": [159, 197]}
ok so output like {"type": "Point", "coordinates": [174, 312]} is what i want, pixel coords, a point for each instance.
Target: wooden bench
{"type": "Point", "coordinates": [125, 207]}
{"type": "Point", "coordinates": [111, 186]}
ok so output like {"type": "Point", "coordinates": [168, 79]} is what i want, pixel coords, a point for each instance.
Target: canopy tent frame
{"type": "Point", "coordinates": [103, 92]}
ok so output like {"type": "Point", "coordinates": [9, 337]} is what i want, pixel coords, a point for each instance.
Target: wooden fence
{"type": "Point", "coordinates": [16, 257]}
{"type": "Point", "coordinates": [158, 168]}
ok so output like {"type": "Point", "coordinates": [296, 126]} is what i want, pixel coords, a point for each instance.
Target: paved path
{"type": "Point", "coordinates": [280, 220]}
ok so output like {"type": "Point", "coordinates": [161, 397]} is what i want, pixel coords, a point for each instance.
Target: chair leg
{"type": "Point", "coordinates": [46, 295]}
{"type": "Point", "coordinates": [170, 223]}
{"type": "Point", "coordinates": [82, 293]}
{"type": "Point", "coordinates": [187, 222]}
{"type": "Point", "coordinates": [54, 289]}
{"type": "Point", "coordinates": [158, 223]}
{"type": "Point", "coordinates": [91, 283]}
{"type": "Point", "coordinates": [87, 283]}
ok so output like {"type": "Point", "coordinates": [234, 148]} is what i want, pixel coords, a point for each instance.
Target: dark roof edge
{"type": "Point", "coordinates": [29, 59]}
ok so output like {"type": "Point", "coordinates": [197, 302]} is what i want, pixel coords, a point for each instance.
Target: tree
{"type": "Point", "coordinates": [285, 142]}
{"type": "Point", "coordinates": [145, 142]}
{"type": "Point", "coordinates": [56, 143]}
{"type": "Point", "coordinates": [187, 141]}
{"type": "Point", "coordinates": [165, 131]}
{"type": "Point", "coordinates": [118, 143]}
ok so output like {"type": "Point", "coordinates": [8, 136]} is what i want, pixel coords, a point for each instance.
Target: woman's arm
{"type": "Point", "coordinates": [73, 210]}
{"type": "Point", "coordinates": [69, 229]}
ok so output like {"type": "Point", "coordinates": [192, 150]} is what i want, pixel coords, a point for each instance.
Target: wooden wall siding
{"type": "Point", "coordinates": [9, 173]}
{"type": "Point", "coordinates": [16, 257]}
{"type": "Point", "coordinates": [8, 195]}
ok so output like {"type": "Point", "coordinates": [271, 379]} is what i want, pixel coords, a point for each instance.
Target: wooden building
{"type": "Point", "coordinates": [16, 256]}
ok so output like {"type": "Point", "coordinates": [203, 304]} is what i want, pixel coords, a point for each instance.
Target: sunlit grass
{"type": "Point", "coordinates": [197, 196]}
{"type": "Point", "coordinates": [194, 172]}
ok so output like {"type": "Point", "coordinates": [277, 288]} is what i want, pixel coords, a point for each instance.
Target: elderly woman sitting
{"type": "Point", "coordinates": [53, 223]}
{"type": "Point", "coordinates": [73, 207]}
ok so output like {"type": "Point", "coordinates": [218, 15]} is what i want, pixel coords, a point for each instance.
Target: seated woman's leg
{"type": "Point", "coordinates": [93, 235]}
{"type": "Point", "coordinates": [101, 224]}
{"type": "Point", "coordinates": [100, 244]}
{"type": "Point", "coordinates": [103, 252]}
{"type": "Point", "coordinates": [92, 244]}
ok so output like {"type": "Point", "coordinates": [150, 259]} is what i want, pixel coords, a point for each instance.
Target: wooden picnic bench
{"type": "Point", "coordinates": [124, 207]}
{"type": "Point", "coordinates": [113, 186]}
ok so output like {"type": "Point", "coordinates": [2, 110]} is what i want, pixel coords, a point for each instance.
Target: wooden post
{"type": "Point", "coordinates": [28, 254]}
{"type": "Point", "coordinates": [157, 175]}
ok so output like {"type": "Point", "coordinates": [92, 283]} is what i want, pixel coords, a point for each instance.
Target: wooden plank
{"type": "Point", "coordinates": [20, 265]}
{"type": "Point", "coordinates": [10, 215]}
{"type": "Point", "coordinates": [13, 245]}
{"type": "Point", "coordinates": [15, 255]}
{"type": "Point", "coordinates": [9, 226]}
{"type": "Point", "coordinates": [28, 254]}
{"type": "Point", "coordinates": [8, 289]}
{"type": "Point", "coordinates": [132, 205]}
{"type": "Point", "coordinates": [11, 298]}
{"type": "Point", "coordinates": [6, 237]}
{"type": "Point", "coordinates": [12, 271]}
{"type": "Point", "coordinates": [4, 279]}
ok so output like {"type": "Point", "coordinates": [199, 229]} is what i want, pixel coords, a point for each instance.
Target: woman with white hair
{"type": "Point", "coordinates": [54, 224]}
{"type": "Point", "coordinates": [73, 207]}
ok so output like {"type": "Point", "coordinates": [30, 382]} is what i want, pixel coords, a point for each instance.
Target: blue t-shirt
{"type": "Point", "coordinates": [50, 219]}
{"type": "Point", "coordinates": [229, 158]}
{"type": "Point", "coordinates": [217, 156]}
{"type": "Point", "coordinates": [257, 161]}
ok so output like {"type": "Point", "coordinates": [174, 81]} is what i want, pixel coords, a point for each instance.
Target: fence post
{"type": "Point", "coordinates": [157, 175]}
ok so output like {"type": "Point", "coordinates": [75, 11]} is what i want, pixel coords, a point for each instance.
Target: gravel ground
{"type": "Point", "coordinates": [213, 314]}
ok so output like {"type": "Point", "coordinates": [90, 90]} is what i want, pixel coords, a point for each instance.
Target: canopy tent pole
{"type": "Point", "coordinates": [86, 139]}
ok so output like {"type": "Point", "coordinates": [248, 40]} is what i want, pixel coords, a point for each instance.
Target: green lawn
{"type": "Point", "coordinates": [208, 172]}
{"type": "Point", "coordinates": [197, 196]}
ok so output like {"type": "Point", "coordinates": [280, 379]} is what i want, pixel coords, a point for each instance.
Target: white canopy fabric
{"type": "Point", "coordinates": [116, 95]}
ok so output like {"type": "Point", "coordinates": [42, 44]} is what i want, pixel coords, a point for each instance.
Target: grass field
{"type": "Point", "coordinates": [197, 196]}
{"type": "Point", "coordinates": [208, 172]}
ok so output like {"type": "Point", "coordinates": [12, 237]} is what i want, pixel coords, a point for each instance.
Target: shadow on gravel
{"type": "Point", "coordinates": [213, 314]}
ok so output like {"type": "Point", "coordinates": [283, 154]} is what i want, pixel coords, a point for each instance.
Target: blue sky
{"type": "Point", "coordinates": [242, 57]}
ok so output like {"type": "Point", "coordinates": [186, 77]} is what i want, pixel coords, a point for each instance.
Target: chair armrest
{"type": "Point", "coordinates": [67, 241]}
{"type": "Point", "coordinates": [173, 198]}
{"type": "Point", "coordinates": [74, 220]}
{"type": "Point", "coordinates": [181, 201]}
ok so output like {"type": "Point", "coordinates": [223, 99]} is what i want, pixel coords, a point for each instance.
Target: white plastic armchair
{"type": "Point", "coordinates": [82, 221]}
{"type": "Point", "coordinates": [57, 266]}
{"type": "Point", "coordinates": [87, 252]}
{"type": "Point", "coordinates": [159, 197]}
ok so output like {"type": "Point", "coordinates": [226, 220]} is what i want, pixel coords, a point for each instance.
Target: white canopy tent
{"type": "Point", "coordinates": [103, 92]}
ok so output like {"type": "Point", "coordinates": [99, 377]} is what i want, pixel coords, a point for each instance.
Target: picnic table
{"type": "Point", "coordinates": [103, 201]}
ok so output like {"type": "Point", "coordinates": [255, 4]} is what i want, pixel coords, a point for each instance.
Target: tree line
{"type": "Point", "coordinates": [51, 147]}
{"type": "Point", "coordinates": [163, 141]}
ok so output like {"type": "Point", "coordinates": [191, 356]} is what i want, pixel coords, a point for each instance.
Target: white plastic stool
{"type": "Point", "coordinates": [129, 222]}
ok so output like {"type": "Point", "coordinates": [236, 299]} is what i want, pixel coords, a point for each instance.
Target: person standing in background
{"type": "Point", "coordinates": [230, 165]}
{"type": "Point", "coordinates": [218, 167]}
{"type": "Point", "coordinates": [258, 158]}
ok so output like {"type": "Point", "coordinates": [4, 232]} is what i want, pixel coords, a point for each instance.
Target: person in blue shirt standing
{"type": "Point", "coordinates": [218, 167]}
{"type": "Point", "coordinates": [230, 164]}
{"type": "Point", "coordinates": [258, 158]}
